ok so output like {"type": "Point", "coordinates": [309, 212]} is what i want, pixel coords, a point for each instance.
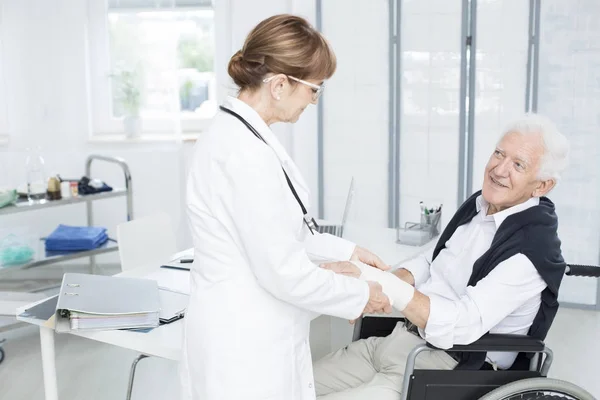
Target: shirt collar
{"type": "Point", "coordinates": [250, 115]}
{"type": "Point", "coordinates": [500, 216]}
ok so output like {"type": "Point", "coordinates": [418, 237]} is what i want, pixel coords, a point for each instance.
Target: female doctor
{"type": "Point", "coordinates": [254, 289]}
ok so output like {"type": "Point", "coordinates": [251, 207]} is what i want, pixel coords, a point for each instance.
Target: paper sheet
{"type": "Point", "coordinates": [176, 280]}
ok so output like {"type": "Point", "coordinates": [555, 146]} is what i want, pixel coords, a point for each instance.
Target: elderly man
{"type": "Point", "coordinates": [496, 268]}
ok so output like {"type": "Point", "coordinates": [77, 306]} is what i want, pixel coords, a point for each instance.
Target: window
{"type": "Point", "coordinates": [500, 75]}
{"type": "Point", "coordinates": [3, 105]}
{"type": "Point", "coordinates": [569, 88]}
{"type": "Point", "coordinates": [152, 60]}
{"type": "Point", "coordinates": [430, 51]}
{"type": "Point", "coordinates": [355, 117]}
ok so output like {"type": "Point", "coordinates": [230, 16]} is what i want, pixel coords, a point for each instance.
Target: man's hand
{"type": "Point", "coordinates": [343, 268]}
{"type": "Point", "coordinates": [378, 301]}
{"type": "Point", "coordinates": [365, 256]}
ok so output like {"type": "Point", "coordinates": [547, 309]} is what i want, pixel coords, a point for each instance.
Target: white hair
{"type": "Point", "coordinates": [556, 146]}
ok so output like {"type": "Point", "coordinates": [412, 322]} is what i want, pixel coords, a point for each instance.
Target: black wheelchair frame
{"type": "Point", "coordinates": [467, 385]}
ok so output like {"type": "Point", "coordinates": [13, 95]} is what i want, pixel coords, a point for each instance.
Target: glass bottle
{"type": "Point", "coordinates": [36, 176]}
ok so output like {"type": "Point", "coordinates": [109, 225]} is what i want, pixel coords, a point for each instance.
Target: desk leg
{"type": "Point", "coordinates": [93, 265]}
{"type": "Point", "coordinates": [49, 363]}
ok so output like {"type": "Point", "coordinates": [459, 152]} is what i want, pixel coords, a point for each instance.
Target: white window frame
{"type": "Point", "coordinates": [103, 123]}
{"type": "Point", "coordinates": [4, 126]}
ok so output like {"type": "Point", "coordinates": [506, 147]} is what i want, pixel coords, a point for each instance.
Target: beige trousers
{"type": "Point", "coordinates": [373, 369]}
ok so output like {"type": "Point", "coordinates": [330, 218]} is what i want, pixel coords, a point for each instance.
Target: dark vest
{"type": "Point", "coordinates": [533, 233]}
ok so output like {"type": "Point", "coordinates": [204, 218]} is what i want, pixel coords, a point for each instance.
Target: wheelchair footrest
{"type": "Point", "coordinates": [460, 385]}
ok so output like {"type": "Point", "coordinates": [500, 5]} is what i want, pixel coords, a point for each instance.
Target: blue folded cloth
{"type": "Point", "coordinates": [76, 238]}
{"type": "Point", "coordinates": [50, 253]}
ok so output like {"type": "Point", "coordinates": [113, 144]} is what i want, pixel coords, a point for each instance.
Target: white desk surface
{"type": "Point", "coordinates": [165, 340]}
{"type": "Point", "coordinates": [382, 241]}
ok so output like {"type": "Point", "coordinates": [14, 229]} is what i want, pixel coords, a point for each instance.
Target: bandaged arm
{"type": "Point", "coordinates": [399, 292]}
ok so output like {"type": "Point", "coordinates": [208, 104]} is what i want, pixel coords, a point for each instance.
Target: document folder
{"type": "Point", "coordinates": [95, 302]}
{"type": "Point", "coordinates": [172, 305]}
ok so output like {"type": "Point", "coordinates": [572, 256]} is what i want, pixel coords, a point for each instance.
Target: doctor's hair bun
{"type": "Point", "coordinates": [282, 44]}
{"type": "Point", "coordinates": [246, 73]}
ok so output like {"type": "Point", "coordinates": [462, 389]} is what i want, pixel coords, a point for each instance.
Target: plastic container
{"type": "Point", "coordinates": [17, 247]}
{"type": "Point", "coordinates": [7, 197]}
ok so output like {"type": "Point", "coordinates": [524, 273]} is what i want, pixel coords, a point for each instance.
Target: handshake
{"type": "Point", "coordinates": [386, 290]}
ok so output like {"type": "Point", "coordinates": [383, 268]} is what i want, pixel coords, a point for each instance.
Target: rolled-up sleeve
{"type": "Point", "coordinates": [419, 267]}
{"type": "Point", "coordinates": [483, 306]}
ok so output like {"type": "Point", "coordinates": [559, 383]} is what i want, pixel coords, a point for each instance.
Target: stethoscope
{"type": "Point", "coordinates": [309, 221]}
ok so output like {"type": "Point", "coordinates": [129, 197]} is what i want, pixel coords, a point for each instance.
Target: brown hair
{"type": "Point", "coordinates": [282, 44]}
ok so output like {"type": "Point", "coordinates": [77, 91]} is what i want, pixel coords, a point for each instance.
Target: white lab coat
{"type": "Point", "coordinates": [254, 289]}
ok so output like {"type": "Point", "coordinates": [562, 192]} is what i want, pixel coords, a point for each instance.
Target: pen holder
{"type": "Point", "coordinates": [418, 234]}
{"type": "Point", "coordinates": [432, 222]}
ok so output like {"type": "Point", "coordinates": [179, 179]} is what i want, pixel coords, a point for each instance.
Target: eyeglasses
{"type": "Point", "coordinates": [316, 89]}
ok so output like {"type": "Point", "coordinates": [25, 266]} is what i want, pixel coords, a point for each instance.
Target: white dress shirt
{"type": "Point", "coordinates": [505, 301]}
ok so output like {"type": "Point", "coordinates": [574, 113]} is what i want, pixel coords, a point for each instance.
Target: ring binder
{"type": "Point", "coordinates": [95, 302]}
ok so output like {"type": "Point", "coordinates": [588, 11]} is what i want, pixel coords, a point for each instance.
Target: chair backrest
{"type": "Point", "coordinates": [146, 242]}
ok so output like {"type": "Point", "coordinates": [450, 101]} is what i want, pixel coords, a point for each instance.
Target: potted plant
{"type": "Point", "coordinates": [129, 96]}
{"type": "Point", "coordinates": [185, 94]}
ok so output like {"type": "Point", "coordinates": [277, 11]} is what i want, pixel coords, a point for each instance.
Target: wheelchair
{"type": "Point", "coordinates": [525, 380]}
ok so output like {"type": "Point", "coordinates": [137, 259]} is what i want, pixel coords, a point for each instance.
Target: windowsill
{"type": "Point", "coordinates": [188, 137]}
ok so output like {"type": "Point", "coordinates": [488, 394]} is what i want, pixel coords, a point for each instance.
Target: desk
{"type": "Point", "coordinates": [165, 341]}
{"type": "Point", "coordinates": [382, 241]}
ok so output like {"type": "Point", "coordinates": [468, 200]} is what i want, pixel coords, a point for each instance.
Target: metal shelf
{"type": "Point", "coordinates": [25, 205]}
{"type": "Point", "coordinates": [44, 258]}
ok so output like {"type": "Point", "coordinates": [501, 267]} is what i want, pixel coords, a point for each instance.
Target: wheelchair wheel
{"type": "Point", "coordinates": [538, 389]}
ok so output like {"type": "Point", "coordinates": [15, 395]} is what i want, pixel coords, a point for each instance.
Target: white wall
{"type": "Point", "coordinates": [44, 60]}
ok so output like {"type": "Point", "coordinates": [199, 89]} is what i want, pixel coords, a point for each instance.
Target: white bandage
{"type": "Point", "coordinates": [399, 292]}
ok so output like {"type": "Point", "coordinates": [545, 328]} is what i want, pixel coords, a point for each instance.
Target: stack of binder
{"type": "Point", "coordinates": [95, 302]}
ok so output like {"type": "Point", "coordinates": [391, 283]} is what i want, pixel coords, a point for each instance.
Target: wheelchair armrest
{"type": "Point", "coordinates": [366, 327]}
{"type": "Point", "coordinates": [502, 342]}
{"type": "Point", "coordinates": [488, 342]}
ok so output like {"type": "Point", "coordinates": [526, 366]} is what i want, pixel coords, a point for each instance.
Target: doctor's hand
{"type": "Point", "coordinates": [365, 256]}
{"type": "Point", "coordinates": [378, 302]}
{"type": "Point", "coordinates": [343, 268]}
